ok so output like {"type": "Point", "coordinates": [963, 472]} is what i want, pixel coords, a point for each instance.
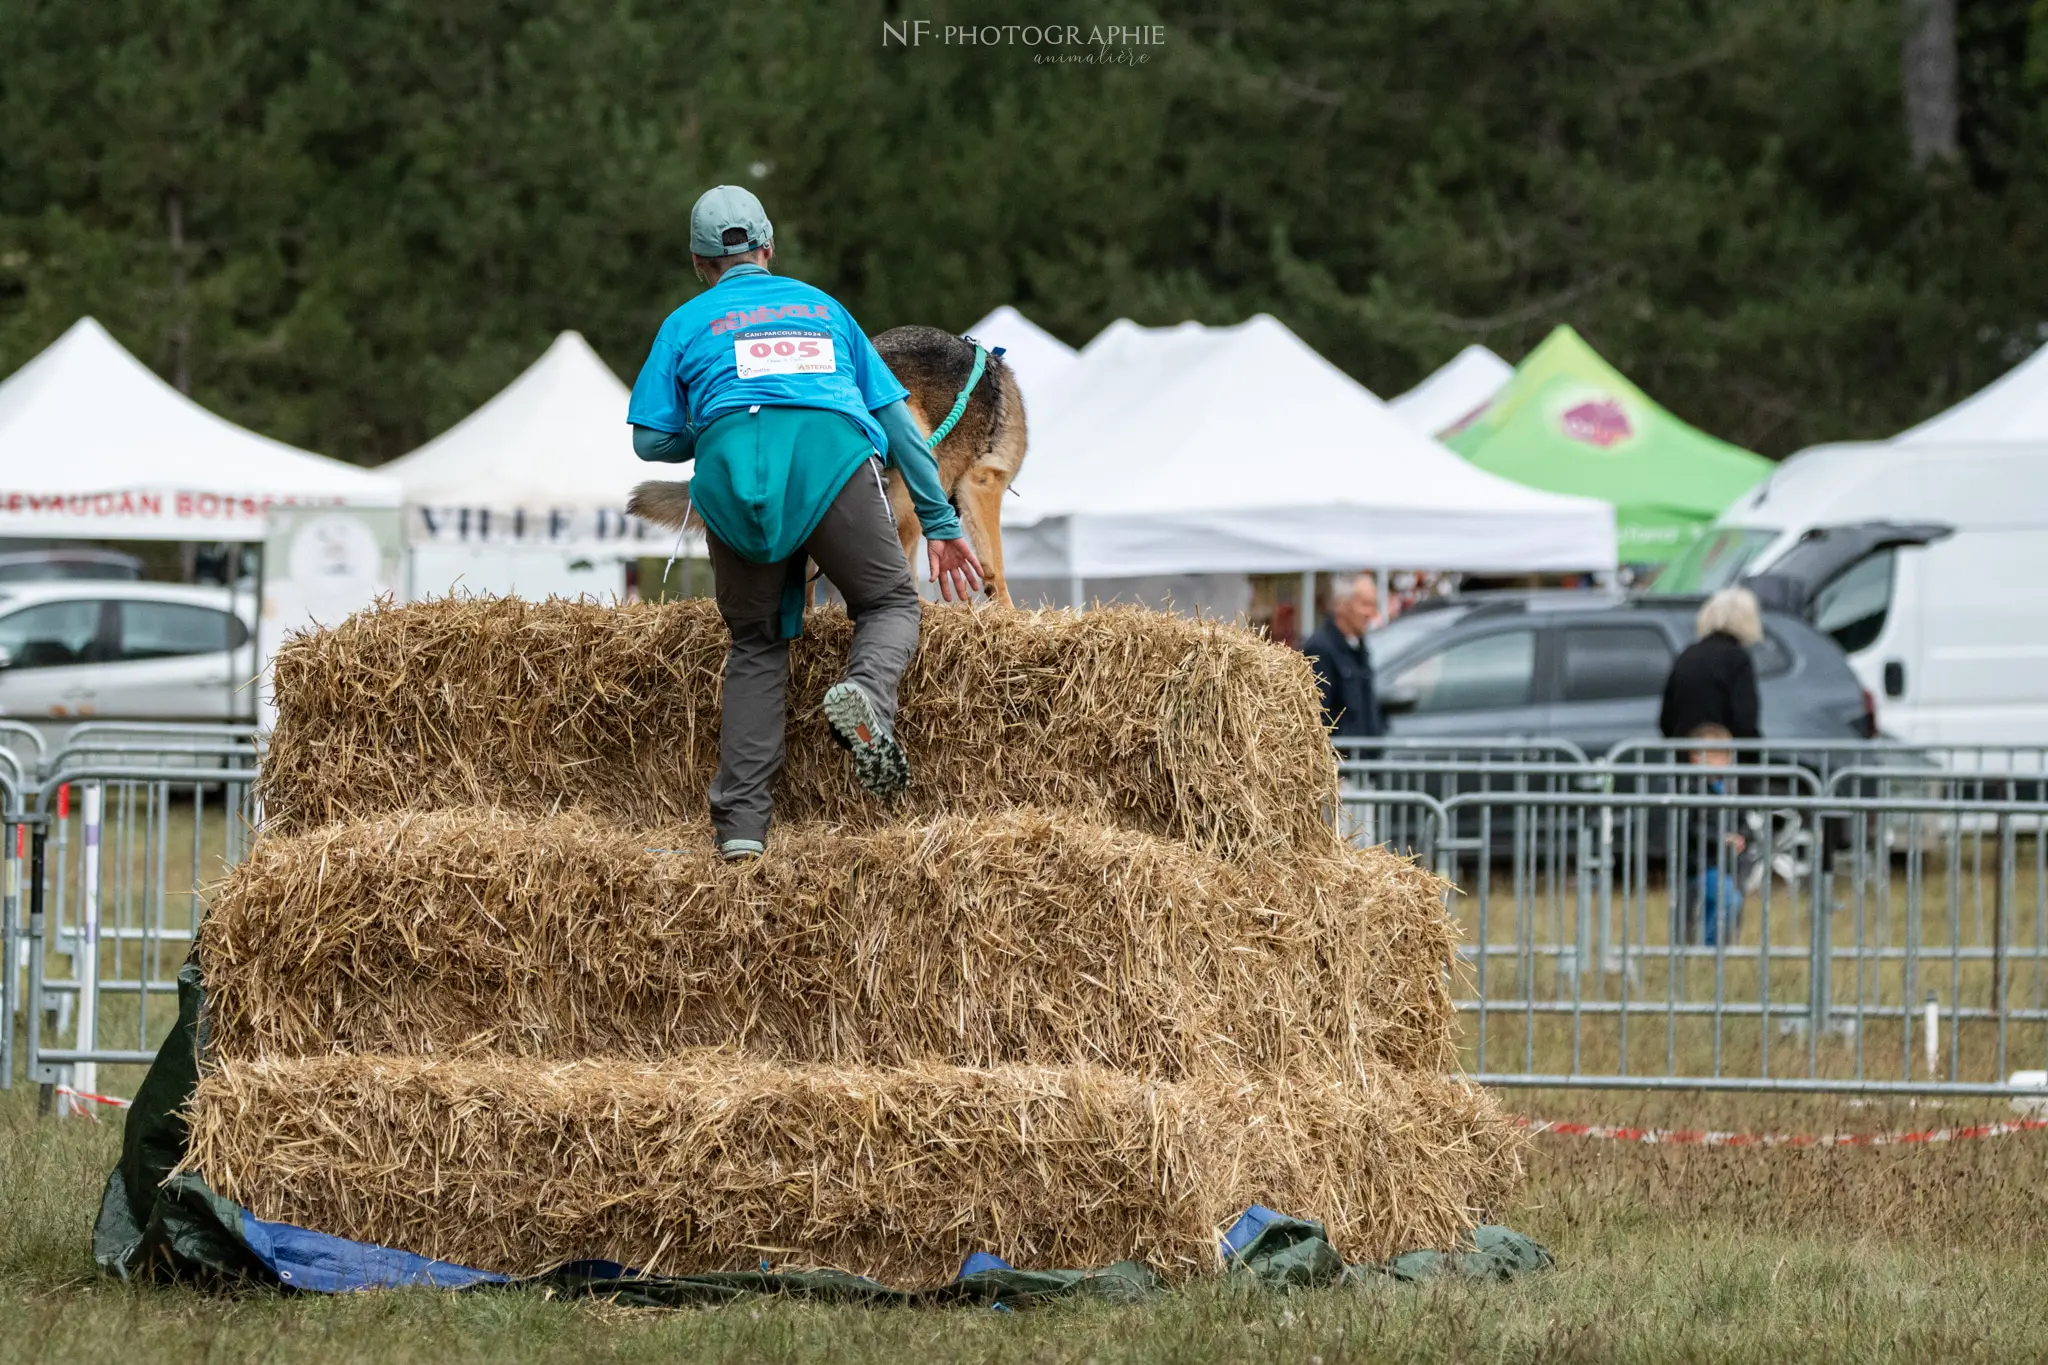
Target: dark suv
{"type": "Point", "coordinates": [1590, 668]}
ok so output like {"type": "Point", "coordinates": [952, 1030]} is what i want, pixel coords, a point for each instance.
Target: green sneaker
{"type": "Point", "coordinates": [878, 762]}
{"type": "Point", "coordinates": [741, 850]}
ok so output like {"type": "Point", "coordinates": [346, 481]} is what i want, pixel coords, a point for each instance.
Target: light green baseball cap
{"type": "Point", "coordinates": [728, 220]}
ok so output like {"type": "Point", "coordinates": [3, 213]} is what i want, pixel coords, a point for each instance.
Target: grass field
{"type": "Point", "coordinates": [1665, 1254]}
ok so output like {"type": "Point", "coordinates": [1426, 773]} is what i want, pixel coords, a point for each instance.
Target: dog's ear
{"type": "Point", "coordinates": [665, 502]}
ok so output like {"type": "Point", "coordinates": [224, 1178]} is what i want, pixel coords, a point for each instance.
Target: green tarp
{"type": "Point", "coordinates": [153, 1225]}
{"type": "Point", "coordinates": [1568, 422]}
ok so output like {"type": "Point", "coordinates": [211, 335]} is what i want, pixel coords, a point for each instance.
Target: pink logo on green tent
{"type": "Point", "coordinates": [1597, 421]}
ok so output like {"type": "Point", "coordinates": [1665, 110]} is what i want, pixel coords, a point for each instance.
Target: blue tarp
{"type": "Point", "coordinates": [305, 1259]}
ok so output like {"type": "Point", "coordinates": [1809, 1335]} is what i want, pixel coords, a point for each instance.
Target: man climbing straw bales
{"type": "Point", "coordinates": [789, 414]}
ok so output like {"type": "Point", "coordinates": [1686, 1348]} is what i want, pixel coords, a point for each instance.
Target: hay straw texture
{"type": "Point", "coordinates": [709, 1162]}
{"type": "Point", "coordinates": [1105, 977]}
{"type": "Point", "coordinates": [1013, 937]}
{"type": "Point", "coordinates": [1185, 729]}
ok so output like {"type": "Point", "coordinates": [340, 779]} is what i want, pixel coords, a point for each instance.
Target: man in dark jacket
{"type": "Point", "coordinates": [1351, 707]}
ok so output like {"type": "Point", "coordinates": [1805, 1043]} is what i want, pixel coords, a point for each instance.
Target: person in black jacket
{"type": "Point", "coordinates": [1713, 682]}
{"type": "Point", "coordinates": [1351, 707]}
{"type": "Point", "coordinates": [1711, 693]}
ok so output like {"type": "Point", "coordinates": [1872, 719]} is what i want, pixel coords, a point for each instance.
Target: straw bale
{"type": "Point", "coordinates": [1018, 937]}
{"type": "Point", "coordinates": [1187, 729]}
{"type": "Point", "coordinates": [709, 1162]}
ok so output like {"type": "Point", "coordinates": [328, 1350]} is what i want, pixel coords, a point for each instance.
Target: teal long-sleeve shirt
{"type": "Point", "coordinates": [906, 453]}
{"type": "Point", "coordinates": [913, 459]}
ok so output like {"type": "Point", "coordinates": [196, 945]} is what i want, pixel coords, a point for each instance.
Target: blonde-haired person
{"type": "Point", "coordinates": [1713, 682]}
{"type": "Point", "coordinates": [1733, 612]}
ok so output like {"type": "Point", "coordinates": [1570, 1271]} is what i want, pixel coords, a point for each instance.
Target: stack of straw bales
{"type": "Point", "coordinates": [1102, 980]}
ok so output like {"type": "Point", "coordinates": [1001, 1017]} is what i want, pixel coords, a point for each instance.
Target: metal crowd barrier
{"type": "Point", "coordinates": [1462, 750]}
{"type": "Point", "coordinates": [107, 850]}
{"type": "Point", "coordinates": [14, 954]}
{"type": "Point", "coordinates": [1805, 917]}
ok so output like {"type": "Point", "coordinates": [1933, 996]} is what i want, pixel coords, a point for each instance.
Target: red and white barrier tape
{"type": "Point", "coordinates": [74, 1096]}
{"type": "Point", "coordinates": [1703, 1137]}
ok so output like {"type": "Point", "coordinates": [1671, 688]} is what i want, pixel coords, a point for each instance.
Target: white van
{"type": "Point", "coordinates": [1927, 562]}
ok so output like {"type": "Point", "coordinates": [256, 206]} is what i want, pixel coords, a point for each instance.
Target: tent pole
{"type": "Point", "coordinates": [1306, 620]}
{"type": "Point", "coordinates": [256, 635]}
{"type": "Point", "coordinates": [233, 555]}
{"type": "Point", "coordinates": [1075, 586]}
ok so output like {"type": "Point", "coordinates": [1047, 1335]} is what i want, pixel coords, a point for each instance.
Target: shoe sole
{"type": "Point", "coordinates": [879, 764]}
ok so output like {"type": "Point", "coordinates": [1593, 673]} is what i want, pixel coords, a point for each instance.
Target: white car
{"type": "Point", "coordinates": [125, 651]}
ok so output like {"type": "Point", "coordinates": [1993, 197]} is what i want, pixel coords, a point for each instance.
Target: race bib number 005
{"type": "Point", "coordinates": [783, 351]}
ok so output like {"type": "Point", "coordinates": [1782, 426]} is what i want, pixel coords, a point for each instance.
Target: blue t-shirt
{"type": "Point", "coordinates": [756, 339]}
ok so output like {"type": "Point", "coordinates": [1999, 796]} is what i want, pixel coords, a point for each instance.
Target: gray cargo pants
{"type": "Point", "coordinates": [856, 547]}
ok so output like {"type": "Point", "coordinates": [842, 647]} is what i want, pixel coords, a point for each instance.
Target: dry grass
{"type": "Point", "coordinates": [1151, 722]}
{"type": "Point", "coordinates": [711, 1161]}
{"type": "Point", "coordinates": [1989, 1193]}
{"type": "Point", "coordinates": [1012, 938]}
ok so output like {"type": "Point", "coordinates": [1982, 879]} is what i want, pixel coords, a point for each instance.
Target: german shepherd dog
{"type": "Point", "coordinates": [977, 460]}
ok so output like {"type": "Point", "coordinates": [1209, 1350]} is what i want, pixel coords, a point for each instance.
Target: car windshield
{"type": "Point", "coordinates": [1714, 561]}
{"type": "Point", "coordinates": [1394, 639]}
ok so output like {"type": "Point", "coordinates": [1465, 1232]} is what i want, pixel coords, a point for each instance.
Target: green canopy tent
{"type": "Point", "coordinates": [1568, 422]}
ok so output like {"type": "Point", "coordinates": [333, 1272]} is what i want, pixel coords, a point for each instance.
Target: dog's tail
{"type": "Point", "coordinates": [665, 502]}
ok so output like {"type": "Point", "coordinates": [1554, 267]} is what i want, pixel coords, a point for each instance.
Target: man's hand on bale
{"type": "Point", "coordinates": [954, 569]}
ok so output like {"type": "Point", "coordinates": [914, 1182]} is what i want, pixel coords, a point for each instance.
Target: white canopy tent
{"type": "Point", "coordinates": [1464, 385]}
{"type": "Point", "coordinates": [1215, 450]}
{"type": "Point", "coordinates": [94, 446]}
{"type": "Point", "coordinates": [1040, 359]}
{"type": "Point", "coordinates": [2014, 408]}
{"type": "Point", "coordinates": [528, 493]}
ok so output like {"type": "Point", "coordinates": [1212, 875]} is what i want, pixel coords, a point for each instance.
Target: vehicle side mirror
{"type": "Point", "coordinates": [6, 657]}
{"type": "Point", "coordinates": [1399, 701]}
